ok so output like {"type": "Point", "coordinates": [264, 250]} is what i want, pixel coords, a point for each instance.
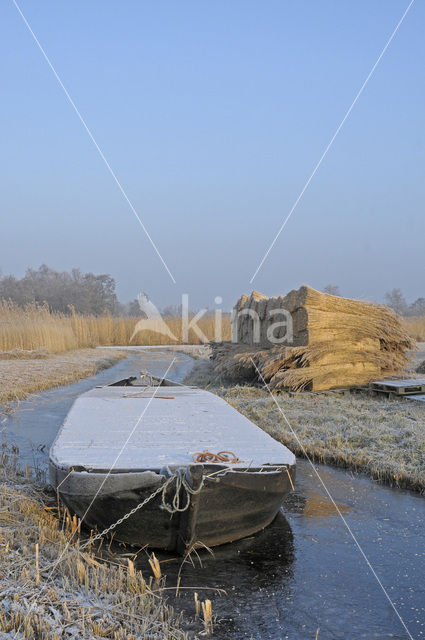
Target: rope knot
{"type": "Point", "coordinates": [181, 481]}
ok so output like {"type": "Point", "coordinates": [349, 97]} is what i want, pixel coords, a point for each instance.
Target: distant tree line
{"type": "Point", "coordinates": [86, 293]}
{"type": "Point", "coordinates": [394, 299]}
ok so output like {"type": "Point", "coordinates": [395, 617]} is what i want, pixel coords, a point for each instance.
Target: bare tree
{"type": "Point", "coordinates": [395, 299]}
{"type": "Point", "coordinates": [417, 308]}
{"type": "Point", "coordinates": [172, 310]}
{"type": "Point", "coordinates": [332, 290]}
{"type": "Point", "coordinates": [131, 308]}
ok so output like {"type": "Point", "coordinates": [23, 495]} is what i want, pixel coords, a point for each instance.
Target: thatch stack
{"type": "Point", "coordinates": [336, 342]}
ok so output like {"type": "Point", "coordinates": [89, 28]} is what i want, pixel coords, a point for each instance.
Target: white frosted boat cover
{"type": "Point", "coordinates": [133, 429]}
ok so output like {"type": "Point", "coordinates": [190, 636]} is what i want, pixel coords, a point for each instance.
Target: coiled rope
{"type": "Point", "coordinates": [221, 456]}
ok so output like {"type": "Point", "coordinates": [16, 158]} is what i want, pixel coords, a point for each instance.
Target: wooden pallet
{"type": "Point", "coordinates": [417, 398]}
{"type": "Point", "coordinates": [399, 387]}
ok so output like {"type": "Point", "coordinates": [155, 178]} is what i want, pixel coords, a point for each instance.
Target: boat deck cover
{"type": "Point", "coordinates": [133, 428]}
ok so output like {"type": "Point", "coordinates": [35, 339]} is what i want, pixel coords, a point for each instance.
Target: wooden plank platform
{"type": "Point", "coordinates": [402, 387]}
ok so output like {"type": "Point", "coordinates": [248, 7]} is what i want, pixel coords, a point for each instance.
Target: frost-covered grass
{"type": "Point", "coordinates": [384, 438]}
{"type": "Point", "coordinates": [81, 597]}
{"type": "Point", "coordinates": [27, 373]}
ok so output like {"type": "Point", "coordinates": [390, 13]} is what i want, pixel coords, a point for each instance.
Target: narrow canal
{"type": "Point", "coordinates": [301, 578]}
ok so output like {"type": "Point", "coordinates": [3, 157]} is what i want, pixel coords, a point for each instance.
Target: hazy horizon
{"type": "Point", "coordinates": [213, 118]}
{"type": "Point", "coordinates": [217, 301]}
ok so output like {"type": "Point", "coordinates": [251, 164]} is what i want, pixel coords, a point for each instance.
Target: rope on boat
{"type": "Point", "coordinates": [180, 482]}
{"type": "Point", "coordinates": [221, 456]}
{"type": "Point", "coordinates": [290, 479]}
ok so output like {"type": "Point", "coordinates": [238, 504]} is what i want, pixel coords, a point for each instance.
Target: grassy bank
{"type": "Point", "coordinates": [80, 597]}
{"type": "Point", "coordinates": [23, 373]}
{"type": "Point", "coordinates": [35, 327]}
{"type": "Point", "coordinates": [383, 438]}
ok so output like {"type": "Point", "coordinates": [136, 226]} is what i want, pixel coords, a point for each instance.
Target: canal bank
{"type": "Point", "coordinates": [302, 573]}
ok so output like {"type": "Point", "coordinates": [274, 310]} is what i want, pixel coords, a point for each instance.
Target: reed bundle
{"type": "Point", "coordinates": [335, 342]}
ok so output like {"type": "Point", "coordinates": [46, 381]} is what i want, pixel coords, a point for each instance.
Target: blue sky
{"type": "Point", "coordinates": [213, 115]}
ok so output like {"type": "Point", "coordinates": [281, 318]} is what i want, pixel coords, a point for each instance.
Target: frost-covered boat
{"type": "Point", "coordinates": [120, 443]}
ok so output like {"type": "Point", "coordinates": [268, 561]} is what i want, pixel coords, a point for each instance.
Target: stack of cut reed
{"type": "Point", "coordinates": [336, 342]}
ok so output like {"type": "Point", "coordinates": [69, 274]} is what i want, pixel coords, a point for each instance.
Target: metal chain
{"type": "Point", "coordinates": [175, 505]}
{"type": "Point", "coordinates": [162, 487]}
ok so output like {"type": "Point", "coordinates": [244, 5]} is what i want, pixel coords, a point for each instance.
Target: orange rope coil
{"type": "Point", "coordinates": [221, 456]}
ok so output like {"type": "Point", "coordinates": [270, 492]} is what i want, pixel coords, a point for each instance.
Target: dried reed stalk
{"type": "Point", "coordinates": [155, 566]}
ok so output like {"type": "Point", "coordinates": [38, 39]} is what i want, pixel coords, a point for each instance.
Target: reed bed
{"type": "Point", "coordinates": [118, 331]}
{"type": "Point", "coordinates": [79, 597]}
{"type": "Point", "coordinates": [35, 327]}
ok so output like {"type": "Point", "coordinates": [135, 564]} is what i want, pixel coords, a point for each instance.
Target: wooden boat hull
{"type": "Point", "coordinates": [230, 506]}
